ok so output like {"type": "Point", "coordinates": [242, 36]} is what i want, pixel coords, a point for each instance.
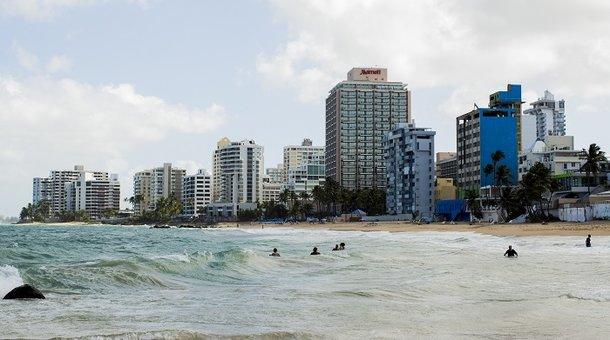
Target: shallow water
{"type": "Point", "coordinates": [131, 282]}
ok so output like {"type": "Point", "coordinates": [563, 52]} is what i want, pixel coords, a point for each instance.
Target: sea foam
{"type": "Point", "coordinates": [9, 279]}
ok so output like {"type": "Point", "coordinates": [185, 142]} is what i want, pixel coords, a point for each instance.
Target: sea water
{"type": "Point", "coordinates": [135, 282]}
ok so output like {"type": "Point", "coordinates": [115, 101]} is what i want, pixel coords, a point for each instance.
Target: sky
{"type": "Point", "coordinates": [125, 85]}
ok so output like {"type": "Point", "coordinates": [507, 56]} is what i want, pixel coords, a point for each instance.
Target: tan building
{"type": "Point", "coordinates": [445, 189]}
{"type": "Point", "coordinates": [152, 184]}
{"type": "Point", "coordinates": [298, 155]}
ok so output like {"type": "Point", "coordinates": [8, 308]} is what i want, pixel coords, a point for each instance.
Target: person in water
{"type": "Point", "coordinates": [511, 252]}
{"type": "Point", "coordinates": [588, 241]}
{"type": "Point", "coordinates": [275, 253]}
{"type": "Point", "coordinates": [336, 247]}
{"type": "Point", "coordinates": [342, 246]}
{"type": "Point", "coordinates": [315, 251]}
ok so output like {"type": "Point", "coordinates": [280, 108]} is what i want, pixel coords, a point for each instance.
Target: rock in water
{"type": "Point", "coordinates": [24, 292]}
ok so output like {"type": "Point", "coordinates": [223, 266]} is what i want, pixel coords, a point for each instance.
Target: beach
{"type": "Point", "coordinates": [599, 228]}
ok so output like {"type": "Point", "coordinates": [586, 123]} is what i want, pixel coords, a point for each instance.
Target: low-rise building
{"type": "Point", "coordinates": [271, 190]}
{"type": "Point", "coordinates": [226, 211]}
{"type": "Point", "coordinates": [557, 154]}
{"type": "Point", "coordinates": [409, 157]}
{"type": "Point", "coordinates": [445, 189]}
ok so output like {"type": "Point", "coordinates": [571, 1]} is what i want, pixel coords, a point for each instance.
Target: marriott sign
{"type": "Point", "coordinates": [368, 74]}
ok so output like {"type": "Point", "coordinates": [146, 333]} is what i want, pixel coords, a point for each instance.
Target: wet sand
{"type": "Point", "coordinates": [600, 228]}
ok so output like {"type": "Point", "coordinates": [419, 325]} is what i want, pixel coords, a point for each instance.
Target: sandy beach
{"type": "Point", "coordinates": [599, 228]}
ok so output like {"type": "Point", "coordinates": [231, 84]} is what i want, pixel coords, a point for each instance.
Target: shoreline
{"type": "Point", "coordinates": [595, 228]}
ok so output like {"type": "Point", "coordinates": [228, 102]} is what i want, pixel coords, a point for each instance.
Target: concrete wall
{"type": "Point", "coordinates": [575, 214]}
{"type": "Point", "coordinates": [601, 211]}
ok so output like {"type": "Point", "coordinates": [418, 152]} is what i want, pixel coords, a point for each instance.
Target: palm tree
{"type": "Point", "coordinates": [472, 199]}
{"type": "Point", "coordinates": [318, 195]}
{"type": "Point", "coordinates": [502, 175]}
{"type": "Point", "coordinates": [592, 157]}
{"type": "Point", "coordinates": [304, 195]}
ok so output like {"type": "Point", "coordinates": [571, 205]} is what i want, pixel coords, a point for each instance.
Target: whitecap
{"type": "Point", "coordinates": [9, 279]}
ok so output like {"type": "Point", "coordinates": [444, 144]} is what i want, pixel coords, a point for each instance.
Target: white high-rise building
{"type": "Point", "coordinates": [93, 195]}
{"type": "Point", "coordinates": [153, 184]}
{"type": "Point", "coordinates": [58, 181]}
{"type": "Point", "coordinates": [196, 192]}
{"type": "Point", "coordinates": [550, 116]}
{"type": "Point", "coordinates": [41, 190]}
{"type": "Point", "coordinates": [306, 153]}
{"type": "Point", "coordinates": [238, 172]}
{"type": "Point", "coordinates": [276, 174]}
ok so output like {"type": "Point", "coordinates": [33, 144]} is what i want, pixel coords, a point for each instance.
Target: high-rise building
{"type": "Point", "coordinates": [446, 165]}
{"type": "Point", "coordinates": [59, 179]}
{"type": "Point", "coordinates": [271, 190]}
{"type": "Point", "coordinates": [550, 116]}
{"type": "Point", "coordinates": [297, 155]}
{"type": "Point", "coordinates": [93, 195]}
{"type": "Point", "coordinates": [153, 184]}
{"type": "Point", "coordinates": [359, 112]}
{"type": "Point", "coordinates": [509, 100]}
{"type": "Point", "coordinates": [196, 192]}
{"type": "Point", "coordinates": [41, 190]}
{"type": "Point", "coordinates": [238, 172]}
{"type": "Point", "coordinates": [409, 157]}
{"type": "Point", "coordinates": [305, 177]}
{"type": "Point", "coordinates": [483, 131]}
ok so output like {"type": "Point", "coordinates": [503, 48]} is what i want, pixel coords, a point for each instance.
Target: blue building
{"type": "Point", "coordinates": [483, 131]}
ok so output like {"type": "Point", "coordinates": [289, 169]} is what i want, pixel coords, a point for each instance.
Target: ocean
{"type": "Point", "coordinates": [134, 282]}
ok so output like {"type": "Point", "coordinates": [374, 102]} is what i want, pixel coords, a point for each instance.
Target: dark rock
{"type": "Point", "coordinates": [24, 292]}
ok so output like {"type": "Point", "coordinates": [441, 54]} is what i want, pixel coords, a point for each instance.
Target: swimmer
{"type": "Point", "coordinates": [588, 241]}
{"type": "Point", "coordinates": [336, 247]}
{"type": "Point", "coordinates": [511, 252]}
{"type": "Point", "coordinates": [315, 251]}
{"type": "Point", "coordinates": [275, 253]}
{"type": "Point", "coordinates": [342, 246]}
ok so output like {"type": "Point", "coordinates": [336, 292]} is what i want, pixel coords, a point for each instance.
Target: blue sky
{"type": "Point", "coordinates": [126, 85]}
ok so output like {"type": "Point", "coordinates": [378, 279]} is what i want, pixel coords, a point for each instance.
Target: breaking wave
{"type": "Point", "coordinates": [9, 279]}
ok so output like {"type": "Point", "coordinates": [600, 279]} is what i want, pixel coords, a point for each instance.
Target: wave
{"type": "Point", "coordinates": [183, 334]}
{"type": "Point", "coordinates": [9, 279]}
{"type": "Point", "coordinates": [585, 298]}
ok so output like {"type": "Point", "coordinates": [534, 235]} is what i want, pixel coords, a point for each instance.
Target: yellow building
{"type": "Point", "coordinates": [445, 189]}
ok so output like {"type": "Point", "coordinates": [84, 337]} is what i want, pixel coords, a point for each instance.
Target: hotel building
{"type": "Point", "coordinates": [359, 112]}
{"type": "Point", "coordinates": [93, 195]}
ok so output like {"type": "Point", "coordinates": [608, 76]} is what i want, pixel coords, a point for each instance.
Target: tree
{"type": "Point", "coordinates": [472, 199]}
{"type": "Point", "coordinates": [502, 175]}
{"type": "Point", "coordinates": [167, 208]}
{"type": "Point", "coordinates": [592, 157]}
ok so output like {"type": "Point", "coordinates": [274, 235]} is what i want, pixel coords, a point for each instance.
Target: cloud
{"type": "Point", "coordinates": [26, 59]}
{"type": "Point", "coordinates": [46, 122]}
{"type": "Point", "coordinates": [58, 63]}
{"type": "Point", "coordinates": [428, 44]}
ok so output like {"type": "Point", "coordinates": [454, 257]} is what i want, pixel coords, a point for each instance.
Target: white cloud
{"type": "Point", "coordinates": [48, 123]}
{"type": "Point", "coordinates": [457, 52]}
{"type": "Point", "coordinates": [58, 63]}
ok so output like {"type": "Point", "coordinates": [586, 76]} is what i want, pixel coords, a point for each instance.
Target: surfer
{"type": "Point", "coordinates": [275, 253]}
{"type": "Point", "coordinates": [511, 252]}
{"type": "Point", "coordinates": [315, 251]}
{"type": "Point", "coordinates": [336, 247]}
{"type": "Point", "coordinates": [588, 241]}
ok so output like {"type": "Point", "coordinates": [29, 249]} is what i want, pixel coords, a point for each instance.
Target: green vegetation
{"type": "Point", "coordinates": [592, 157]}
{"type": "Point", "coordinates": [38, 212]}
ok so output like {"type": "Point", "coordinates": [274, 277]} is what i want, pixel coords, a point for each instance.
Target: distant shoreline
{"type": "Point", "coordinates": [599, 228]}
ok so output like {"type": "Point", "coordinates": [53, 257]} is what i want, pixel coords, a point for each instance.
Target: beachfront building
{"type": "Point", "coordinates": [196, 192]}
{"type": "Point", "coordinates": [446, 165]}
{"type": "Point", "coordinates": [238, 172]}
{"type": "Point", "coordinates": [445, 189]}
{"type": "Point", "coordinates": [98, 197]}
{"type": "Point", "coordinates": [276, 174]}
{"type": "Point", "coordinates": [360, 111]}
{"type": "Point", "coordinates": [557, 154]}
{"type": "Point", "coordinates": [549, 115]}
{"type": "Point", "coordinates": [298, 155]}
{"type": "Point", "coordinates": [271, 190]}
{"type": "Point", "coordinates": [41, 190]}
{"type": "Point", "coordinates": [483, 131]}
{"type": "Point", "coordinates": [153, 184]}
{"type": "Point", "coordinates": [528, 132]}
{"type": "Point", "coordinates": [409, 157]}
{"type": "Point", "coordinates": [305, 177]}
{"type": "Point", "coordinates": [510, 101]}
{"type": "Point", "coordinates": [59, 180]}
